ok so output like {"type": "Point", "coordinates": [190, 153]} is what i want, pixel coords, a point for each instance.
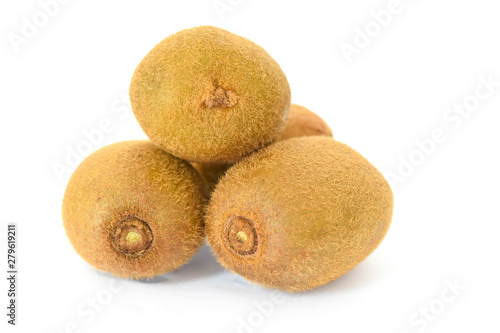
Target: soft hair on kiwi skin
{"type": "Point", "coordinates": [135, 211]}
{"type": "Point", "coordinates": [298, 214]}
{"type": "Point", "coordinates": [209, 96]}
{"type": "Point", "coordinates": [211, 174]}
{"type": "Point", "coordinates": [300, 122]}
{"type": "Point", "coordinates": [304, 122]}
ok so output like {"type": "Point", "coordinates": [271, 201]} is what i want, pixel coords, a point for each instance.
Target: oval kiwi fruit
{"type": "Point", "coordinates": [209, 96]}
{"type": "Point", "coordinates": [135, 211]}
{"type": "Point", "coordinates": [300, 122]}
{"type": "Point", "coordinates": [298, 214]}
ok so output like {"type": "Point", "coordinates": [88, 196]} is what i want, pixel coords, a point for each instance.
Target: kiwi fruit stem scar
{"type": "Point", "coordinates": [132, 237]}
{"type": "Point", "coordinates": [241, 236]}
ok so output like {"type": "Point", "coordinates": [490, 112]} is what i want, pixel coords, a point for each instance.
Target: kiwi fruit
{"type": "Point", "coordinates": [298, 214]}
{"type": "Point", "coordinates": [209, 96]}
{"type": "Point", "coordinates": [304, 122]}
{"type": "Point", "coordinates": [300, 122]}
{"type": "Point", "coordinates": [135, 211]}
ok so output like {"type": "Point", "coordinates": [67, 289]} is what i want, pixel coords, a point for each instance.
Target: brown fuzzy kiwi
{"type": "Point", "coordinates": [298, 214]}
{"type": "Point", "coordinates": [300, 122]}
{"type": "Point", "coordinates": [209, 96]}
{"type": "Point", "coordinates": [135, 211]}
{"type": "Point", "coordinates": [304, 122]}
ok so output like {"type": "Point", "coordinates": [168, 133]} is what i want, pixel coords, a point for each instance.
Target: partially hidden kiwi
{"type": "Point", "coordinates": [209, 96]}
{"type": "Point", "coordinates": [300, 122]}
{"type": "Point", "coordinates": [298, 214]}
{"type": "Point", "coordinates": [135, 211]}
{"type": "Point", "coordinates": [211, 174]}
{"type": "Point", "coordinates": [304, 122]}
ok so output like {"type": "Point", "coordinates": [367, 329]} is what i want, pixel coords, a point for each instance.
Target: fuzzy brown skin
{"type": "Point", "coordinates": [298, 214]}
{"type": "Point", "coordinates": [209, 96]}
{"type": "Point", "coordinates": [211, 174]}
{"type": "Point", "coordinates": [301, 122]}
{"type": "Point", "coordinates": [304, 122]}
{"type": "Point", "coordinates": [135, 211]}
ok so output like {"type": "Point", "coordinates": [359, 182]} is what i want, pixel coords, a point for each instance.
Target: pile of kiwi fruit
{"type": "Point", "coordinates": [231, 161]}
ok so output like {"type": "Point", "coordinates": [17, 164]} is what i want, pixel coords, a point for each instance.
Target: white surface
{"type": "Point", "coordinates": [74, 72]}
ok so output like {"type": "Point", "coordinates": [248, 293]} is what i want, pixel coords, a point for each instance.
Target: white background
{"type": "Point", "coordinates": [74, 73]}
